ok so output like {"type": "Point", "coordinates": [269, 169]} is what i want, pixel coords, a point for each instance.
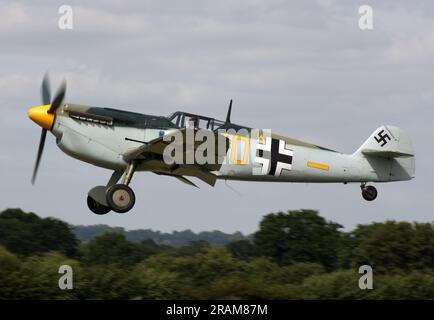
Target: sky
{"type": "Point", "coordinates": [302, 68]}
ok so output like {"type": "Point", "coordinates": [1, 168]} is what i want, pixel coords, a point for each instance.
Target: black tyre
{"type": "Point", "coordinates": [369, 193]}
{"type": "Point", "coordinates": [97, 207]}
{"type": "Point", "coordinates": [120, 198]}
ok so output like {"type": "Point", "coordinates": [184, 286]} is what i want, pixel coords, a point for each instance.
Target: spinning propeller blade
{"type": "Point", "coordinates": [44, 115]}
{"type": "Point", "coordinates": [57, 101]}
{"type": "Point", "coordinates": [45, 90]}
{"type": "Point", "coordinates": [38, 157]}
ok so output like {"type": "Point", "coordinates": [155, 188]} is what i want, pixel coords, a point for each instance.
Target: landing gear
{"type": "Point", "coordinates": [97, 207]}
{"type": "Point", "coordinates": [120, 198]}
{"type": "Point", "coordinates": [369, 193]}
{"type": "Point", "coordinates": [117, 197]}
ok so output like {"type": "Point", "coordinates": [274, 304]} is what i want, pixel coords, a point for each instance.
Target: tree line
{"type": "Point", "coordinates": [174, 239]}
{"type": "Point", "coordinates": [293, 255]}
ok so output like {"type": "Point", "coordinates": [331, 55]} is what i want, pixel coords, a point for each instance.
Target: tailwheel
{"type": "Point", "coordinates": [369, 193]}
{"type": "Point", "coordinates": [97, 207]}
{"type": "Point", "coordinates": [120, 198]}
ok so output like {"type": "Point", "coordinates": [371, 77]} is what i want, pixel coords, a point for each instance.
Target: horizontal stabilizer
{"type": "Point", "coordinates": [386, 154]}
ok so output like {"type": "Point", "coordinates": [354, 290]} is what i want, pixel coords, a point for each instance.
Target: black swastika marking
{"type": "Point", "coordinates": [382, 138]}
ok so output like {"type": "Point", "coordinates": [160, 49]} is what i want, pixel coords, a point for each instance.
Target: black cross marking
{"type": "Point", "coordinates": [382, 138]}
{"type": "Point", "coordinates": [275, 156]}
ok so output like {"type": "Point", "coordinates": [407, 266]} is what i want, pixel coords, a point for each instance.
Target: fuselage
{"type": "Point", "coordinates": [101, 136]}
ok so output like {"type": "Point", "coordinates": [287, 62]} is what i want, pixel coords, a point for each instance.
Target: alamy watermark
{"type": "Point", "coordinates": [366, 19]}
{"type": "Point", "coordinates": [366, 281]}
{"type": "Point", "coordinates": [66, 280]}
{"type": "Point", "coordinates": [66, 20]}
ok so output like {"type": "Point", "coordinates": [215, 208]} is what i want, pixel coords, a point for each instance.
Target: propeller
{"type": "Point", "coordinates": [39, 155]}
{"type": "Point", "coordinates": [45, 90]}
{"type": "Point", "coordinates": [57, 101]}
{"type": "Point", "coordinates": [55, 104]}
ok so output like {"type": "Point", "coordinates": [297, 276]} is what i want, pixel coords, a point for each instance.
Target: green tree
{"type": "Point", "coordinates": [298, 272]}
{"type": "Point", "coordinates": [342, 284]}
{"type": "Point", "coordinates": [149, 247]}
{"type": "Point", "coordinates": [27, 234]}
{"type": "Point", "coordinates": [423, 246]}
{"type": "Point", "coordinates": [242, 249]}
{"type": "Point", "coordinates": [192, 249]}
{"type": "Point", "coordinates": [110, 282]}
{"type": "Point", "coordinates": [158, 284]}
{"type": "Point", "coordinates": [299, 236]}
{"type": "Point", "coordinates": [394, 245]}
{"type": "Point", "coordinates": [10, 267]}
{"type": "Point", "coordinates": [39, 277]}
{"type": "Point", "coordinates": [196, 270]}
{"type": "Point", "coordinates": [411, 285]}
{"type": "Point", "coordinates": [35, 277]}
{"type": "Point", "coordinates": [113, 248]}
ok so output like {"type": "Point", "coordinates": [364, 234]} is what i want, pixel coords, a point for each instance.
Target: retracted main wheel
{"type": "Point", "coordinates": [97, 207]}
{"type": "Point", "coordinates": [120, 198]}
{"type": "Point", "coordinates": [369, 193]}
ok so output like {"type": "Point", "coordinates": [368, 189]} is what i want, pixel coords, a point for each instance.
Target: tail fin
{"type": "Point", "coordinates": [390, 143]}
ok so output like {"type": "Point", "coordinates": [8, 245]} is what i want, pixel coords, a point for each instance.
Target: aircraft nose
{"type": "Point", "coordinates": [40, 116]}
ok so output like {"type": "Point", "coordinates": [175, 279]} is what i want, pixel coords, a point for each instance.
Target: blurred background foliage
{"type": "Point", "coordinates": [293, 255]}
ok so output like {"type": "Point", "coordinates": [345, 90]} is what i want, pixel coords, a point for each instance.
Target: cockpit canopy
{"type": "Point", "coordinates": [188, 120]}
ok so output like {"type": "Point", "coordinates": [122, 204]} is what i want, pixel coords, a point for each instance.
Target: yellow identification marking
{"type": "Point", "coordinates": [318, 166]}
{"type": "Point", "coordinates": [235, 146]}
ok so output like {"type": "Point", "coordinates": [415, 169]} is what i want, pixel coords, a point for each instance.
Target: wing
{"type": "Point", "coordinates": [151, 155]}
